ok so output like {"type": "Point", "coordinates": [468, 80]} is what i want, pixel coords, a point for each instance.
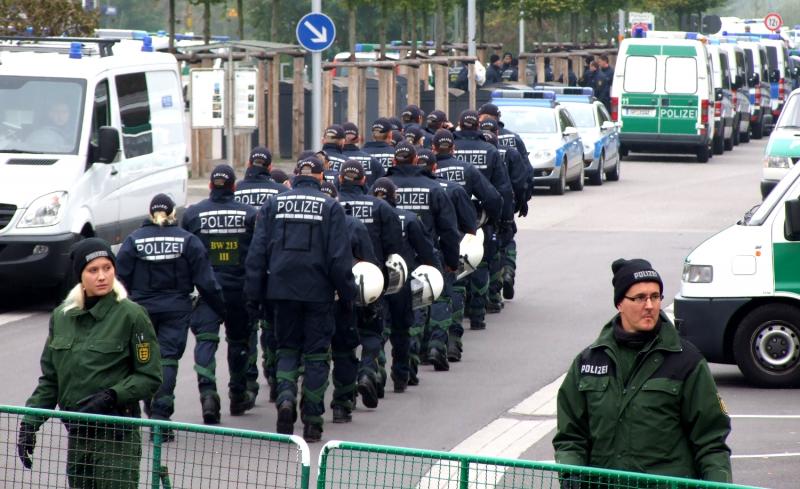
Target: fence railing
{"type": "Point", "coordinates": [345, 465]}
{"type": "Point", "coordinates": [110, 452]}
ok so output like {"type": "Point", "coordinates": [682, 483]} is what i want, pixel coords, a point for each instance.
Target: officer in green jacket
{"type": "Point", "coordinates": [640, 398]}
{"type": "Point", "coordinates": [101, 357]}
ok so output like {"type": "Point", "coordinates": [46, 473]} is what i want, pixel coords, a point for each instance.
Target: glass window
{"type": "Point", "coordinates": [564, 120]}
{"type": "Point", "coordinates": [602, 114]}
{"type": "Point", "coordinates": [529, 119]}
{"type": "Point", "coordinates": [790, 115]}
{"type": "Point", "coordinates": [640, 74]}
{"type": "Point", "coordinates": [41, 115]}
{"type": "Point", "coordinates": [582, 114]}
{"type": "Point", "coordinates": [101, 115]}
{"type": "Point", "coordinates": [725, 71]}
{"type": "Point", "coordinates": [681, 75]}
{"type": "Point", "coordinates": [134, 111]}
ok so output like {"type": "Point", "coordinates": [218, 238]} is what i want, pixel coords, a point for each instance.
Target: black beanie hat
{"type": "Point", "coordinates": [161, 202]}
{"type": "Point", "coordinates": [85, 251]}
{"type": "Point", "coordinates": [630, 272]}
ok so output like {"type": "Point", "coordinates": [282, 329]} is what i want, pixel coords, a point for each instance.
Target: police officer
{"type": "Point", "coordinates": [415, 136]}
{"type": "Point", "coordinates": [333, 145]}
{"type": "Point", "coordinates": [373, 169]}
{"type": "Point", "coordinates": [641, 398]}
{"type": "Point", "coordinates": [411, 115]}
{"type": "Point", "coordinates": [346, 338]}
{"type": "Point", "coordinates": [417, 249]}
{"type": "Point", "coordinates": [471, 147]}
{"type": "Point", "coordinates": [386, 235]}
{"type": "Point", "coordinates": [603, 80]}
{"type": "Point", "coordinates": [493, 71]}
{"type": "Point", "coordinates": [225, 227]}
{"type": "Point", "coordinates": [397, 137]}
{"type": "Point", "coordinates": [101, 356]}
{"type": "Point", "coordinates": [419, 192]}
{"type": "Point", "coordinates": [257, 185]}
{"type": "Point", "coordinates": [281, 177]}
{"type": "Point", "coordinates": [160, 264]}
{"type": "Point", "coordinates": [503, 266]}
{"type": "Point", "coordinates": [298, 261]}
{"type": "Point", "coordinates": [381, 147]}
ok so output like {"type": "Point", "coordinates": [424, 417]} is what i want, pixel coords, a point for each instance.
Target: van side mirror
{"type": "Point", "coordinates": [754, 80]}
{"type": "Point", "coordinates": [570, 131]}
{"type": "Point", "coordinates": [107, 144]}
{"type": "Point", "coordinates": [608, 125]}
{"type": "Point", "coordinates": [738, 82]}
{"type": "Point", "coordinates": [791, 226]}
{"type": "Point", "coordinates": [774, 76]}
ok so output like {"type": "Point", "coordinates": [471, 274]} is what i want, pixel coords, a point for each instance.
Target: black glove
{"type": "Point", "coordinates": [523, 209]}
{"type": "Point", "coordinates": [571, 482]}
{"type": "Point", "coordinates": [103, 402]}
{"type": "Point", "coordinates": [26, 441]}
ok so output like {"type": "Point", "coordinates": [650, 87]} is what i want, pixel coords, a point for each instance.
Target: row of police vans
{"type": "Point", "coordinates": [739, 301]}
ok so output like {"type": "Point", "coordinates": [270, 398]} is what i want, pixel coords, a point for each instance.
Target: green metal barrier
{"type": "Point", "coordinates": [358, 465]}
{"type": "Point", "coordinates": [110, 452]}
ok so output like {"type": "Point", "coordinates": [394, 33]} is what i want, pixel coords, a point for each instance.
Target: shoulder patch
{"type": "Point", "coordinates": [595, 362]}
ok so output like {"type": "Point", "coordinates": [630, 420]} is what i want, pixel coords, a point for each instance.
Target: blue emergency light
{"type": "Point", "coordinates": [566, 90]}
{"type": "Point", "coordinates": [75, 50]}
{"type": "Point", "coordinates": [691, 35]}
{"type": "Point", "coordinates": [530, 94]}
{"type": "Point", "coordinates": [638, 32]}
{"type": "Point", "coordinates": [147, 44]}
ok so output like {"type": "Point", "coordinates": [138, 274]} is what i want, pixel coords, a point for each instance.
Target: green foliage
{"type": "Point", "coordinates": [47, 17]}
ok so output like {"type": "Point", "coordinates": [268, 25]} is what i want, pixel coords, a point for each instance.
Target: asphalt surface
{"type": "Point", "coordinates": [662, 207]}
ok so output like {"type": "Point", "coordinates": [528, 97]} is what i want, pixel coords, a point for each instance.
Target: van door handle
{"type": "Point", "coordinates": [114, 171]}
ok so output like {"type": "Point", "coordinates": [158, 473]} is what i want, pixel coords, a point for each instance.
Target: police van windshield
{"type": "Point", "coordinates": [529, 119]}
{"type": "Point", "coordinates": [40, 115]}
{"type": "Point", "coordinates": [582, 114]}
{"type": "Point", "coordinates": [790, 116]}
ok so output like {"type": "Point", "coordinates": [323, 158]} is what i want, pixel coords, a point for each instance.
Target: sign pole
{"type": "Point", "coordinates": [316, 88]}
{"type": "Point", "coordinates": [230, 108]}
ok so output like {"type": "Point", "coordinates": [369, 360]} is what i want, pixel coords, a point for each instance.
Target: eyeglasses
{"type": "Point", "coordinates": [641, 299]}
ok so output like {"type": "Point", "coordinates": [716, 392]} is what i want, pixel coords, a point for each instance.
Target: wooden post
{"type": "Point", "coordinates": [424, 69]}
{"type": "Point", "coordinates": [472, 86]}
{"type": "Point", "coordinates": [327, 101]}
{"type": "Point", "coordinates": [261, 107]}
{"type": "Point", "coordinates": [563, 71]}
{"type": "Point", "coordinates": [353, 99]}
{"type": "Point", "coordinates": [523, 72]}
{"type": "Point", "coordinates": [577, 65]}
{"type": "Point", "coordinates": [298, 107]}
{"type": "Point", "coordinates": [481, 53]}
{"type": "Point", "coordinates": [272, 104]}
{"type": "Point", "coordinates": [442, 96]}
{"type": "Point", "coordinates": [385, 94]}
{"type": "Point", "coordinates": [361, 121]}
{"type": "Point", "coordinates": [539, 68]}
{"type": "Point", "coordinates": [412, 74]}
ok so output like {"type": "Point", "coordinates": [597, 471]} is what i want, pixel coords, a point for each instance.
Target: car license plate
{"type": "Point", "coordinates": [640, 112]}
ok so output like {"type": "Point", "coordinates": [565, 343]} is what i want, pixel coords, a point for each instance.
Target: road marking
{"type": "Point", "coordinates": [541, 402]}
{"type": "Point", "coordinates": [768, 455]}
{"type": "Point", "coordinates": [10, 317]}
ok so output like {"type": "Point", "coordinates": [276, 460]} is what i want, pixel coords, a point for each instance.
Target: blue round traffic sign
{"type": "Point", "coordinates": [315, 32]}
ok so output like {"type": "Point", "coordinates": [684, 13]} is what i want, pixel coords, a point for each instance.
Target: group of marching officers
{"type": "Point", "coordinates": [399, 238]}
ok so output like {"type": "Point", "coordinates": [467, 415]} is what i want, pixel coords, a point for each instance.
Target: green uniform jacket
{"type": "Point", "coordinates": [112, 345]}
{"type": "Point", "coordinates": [668, 420]}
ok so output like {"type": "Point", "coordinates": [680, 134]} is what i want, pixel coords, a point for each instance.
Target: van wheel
{"type": "Point", "coordinates": [729, 143]}
{"type": "Point", "coordinates": [757, 129]}
{"type": "Point", "coordinates": [703, 153]}
{"type": "Point", "coordinates": [767, 346]}
{"type": "Point", "coordinates": [623, 151]}
{"type": "Point", "coordinates": [745, 136]}
{"type": "Point", "coordinates": [596, 178]}
{"type": "Point", "coordinates": [735, 135]}
{"type": "Point", "coordinates": [718, 145]}
{"type": "Point", "coordinates": [577, 185]}
{"type": "Point", "coordinates": [560, 187]}
{"type": "Point", "coordinates": [613, 174]}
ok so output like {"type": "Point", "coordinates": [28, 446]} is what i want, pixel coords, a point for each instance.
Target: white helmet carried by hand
{"type": "Point", "coordinates": [427, 284]}
{"type": "Point", "coordinates": [369, 282]}
{"type": "Point", "coordinates": [396, 273]}
{"type": "Point", "coordinates": [471, 254]}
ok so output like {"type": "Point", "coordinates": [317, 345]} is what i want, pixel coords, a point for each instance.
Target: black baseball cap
{"type": "Point", "coordinates": [381, 125]}
{"type": "Point", "coordinates": [386, 187]}
{"type": "Point", "coordinates": [334, 131]}
{"type": "Point", "coordinates": [490, 109]}
{"type": "Point", "coordinates": [468, 120]}
{"type": "Point", "coordinates": [350, 129]}
{"type": "Point", "coordinates": [490, 137]}
{"type": "Point", "coordinates": [404, 152]}
{"type": "Point", "coordinates": [437, 116]}
{"type": "Point", "coordinates": [396, 123]}
{"type": "Point", "coordinates": [413, 133]}
{"type": "Point", "coordinates": [411, 113]}
{"type": "Point", "coordinates": [309, 165]}
{"type": "Point", "coordinates": [397, 136]}
{"type": "Point", "coordinates": [352, 170]}
{"type": "Point", "coordinates": [425, 157]}
{"type": "Point", "coordinates": [222, 176]}
{"type": "Point", "coordinates": [443, 138]}
{"type": "Point", "coordinates": [489, 125]}
{"type": "Point", "coordinates": [329, 189]}
{"type": "Point", "coordinates": [261, 153]}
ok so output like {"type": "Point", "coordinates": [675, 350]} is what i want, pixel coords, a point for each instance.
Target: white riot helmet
{"type": "Point", "coordinates": [470, 254]}
{"type": "Point", "coordinates": [396, 273]}
{"type": "Point", "coordinates": [369, 282]}
{"type": "Point", "coordinates": [427, 284]}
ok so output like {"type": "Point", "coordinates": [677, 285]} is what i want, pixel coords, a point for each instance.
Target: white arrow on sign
{"type": "Point", "coordinates": [322, 37]}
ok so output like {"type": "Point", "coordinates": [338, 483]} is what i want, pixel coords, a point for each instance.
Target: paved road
{"type": "Point", "coordinates": [660, 210]}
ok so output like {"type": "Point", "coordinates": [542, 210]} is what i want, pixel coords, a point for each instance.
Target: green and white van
{"type": "Point", "coordinates": [663, 94]}
{"type": "Point", "coordinates": [740, 293]}
{"type": "Point", "coordinates": [783, 148]}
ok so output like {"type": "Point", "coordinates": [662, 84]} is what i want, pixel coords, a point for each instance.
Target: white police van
{"type": "Point", "coordinates": [90, 130]}
{"type": "Point", "coordinates": [740, 294]}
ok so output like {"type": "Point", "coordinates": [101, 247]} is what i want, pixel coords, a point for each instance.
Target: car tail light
{"type": "Point", "coordinates": [758, 96]}
{"type": "Point", "coordinates": [734, 97]}
{"type": "Point", "coordinates": [615, 108]}
{"type": "Point", "coordinates": [717, 108]}
{"type": "Point", "coordinates": [782, 89]}
{"type": "Point", "coordinates": [704, 111]}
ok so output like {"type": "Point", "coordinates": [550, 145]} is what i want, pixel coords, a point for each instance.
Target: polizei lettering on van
{"type": "Point", "coordinates": [413, 198]}
{"type": "Point", "coordinates": [300, 207]}
{"type": "Point", "coordinates": [222, 222]}
{"type": "Point", "coordinates": [678, 113]}
{"type": "Point", "coordinates": [159, 248]}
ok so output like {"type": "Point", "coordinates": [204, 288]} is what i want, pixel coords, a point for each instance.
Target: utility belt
{"type": "Point", "coordinates": [105, 431]}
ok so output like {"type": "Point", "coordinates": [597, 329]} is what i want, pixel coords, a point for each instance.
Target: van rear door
{"type": "Point", "coordinates": [639, 101]}
{"type": "Point", "coordinates": [678, 112]}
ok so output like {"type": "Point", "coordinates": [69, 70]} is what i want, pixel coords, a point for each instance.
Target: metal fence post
{"type": "Point", "coordinates": [463, 480]}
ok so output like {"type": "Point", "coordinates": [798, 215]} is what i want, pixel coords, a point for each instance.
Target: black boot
{"type": "Point", "coordinates": [287, 415]}
{"type": "Point", "coordinates": [367, 391]}
{"type": "Point", "coordinates": [508, 283]}
{"type": "Point", "coordinates": [341, 415]}
{"type": "Point", "coordinates": [453, 350]}
{"type": "Point", "coordinates": [477, 324]}
{"type": "Point", "coordinates": [439, 360]}
{"type": "Point", "coordinates": [241, 402]}
{"type": "Point", "coordinates": [312, 433]}
{"type": "Point", "coordinates": [209, 401]}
